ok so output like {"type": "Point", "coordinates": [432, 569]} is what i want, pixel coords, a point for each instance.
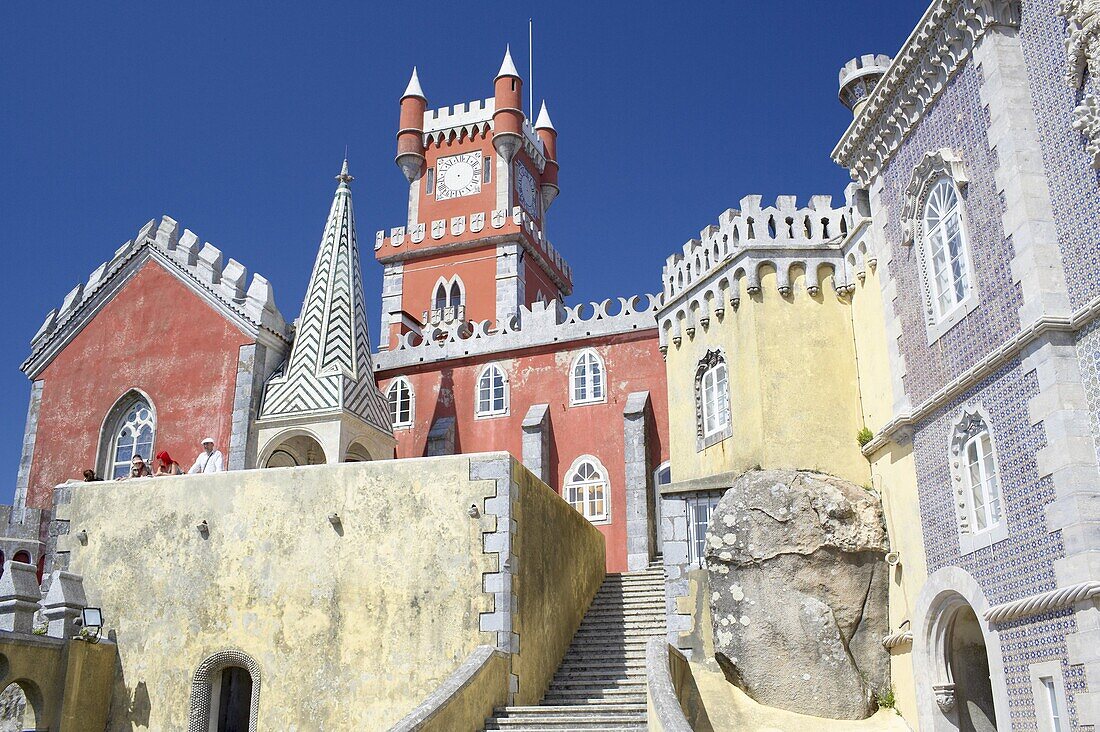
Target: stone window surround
{"type": "Point", "coordinates": [602, 398]}
{"type": "Point", "coordinates": [412, 403]}
{"type": "Point", "coordinates": [1052, 670]}
{"type": "Point", "coordinates": [491, 414]}
{"type": "Point", "coordinates": [936, 166]}
{"type": "Point", "coordinates": [599, 466]}
{"type": "Point", "coordinates": [109, 428]}
{"type": "Point", "coordinates": [702, 440]}
{"type": "Point", "coordinates": [969, 540]}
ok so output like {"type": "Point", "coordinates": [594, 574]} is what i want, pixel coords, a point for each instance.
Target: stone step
{"type": "Point", "coordinates": [571, 684]}
{"type": "Point", "coordinates": [568, 721]}
{"type": "Point", "coordinates": [584, 728]}
{"type": "Point", "coordinates": [594, 697]}
{"type": "Point", "coordinates": [577, 664]}
{"type": "Point", "coordinates": [601, 707]}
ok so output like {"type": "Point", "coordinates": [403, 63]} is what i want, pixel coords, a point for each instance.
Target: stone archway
{"type": "Point", "coordinates": [21, 706]}
{"type": "Point", "coordinates": [357, 454]}
{"type": "Point", "coordinates": [957, 657]}
{"type": "Point", "coordinates": [292, 448]}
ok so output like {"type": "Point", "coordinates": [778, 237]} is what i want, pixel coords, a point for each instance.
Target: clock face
{"type": "Point", "coordinates": [525, 186]}
{"type": "Point", "coordinates": [458, 175]}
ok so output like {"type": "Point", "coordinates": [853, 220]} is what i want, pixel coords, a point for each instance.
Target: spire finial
{"type": "Point", "coordinates": [413, 89]}
{"type": "Point", "coordinates": [543, 122]}
{"type": "Point", "coordinates": [508, 67]}
{"type": "Point", "coordinates": [344, 177]}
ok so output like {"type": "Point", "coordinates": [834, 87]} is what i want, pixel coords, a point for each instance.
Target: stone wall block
{"type": "Point", "coordinates": [19, 597]}
{"type": "Point", "coordinates": [63, 604]}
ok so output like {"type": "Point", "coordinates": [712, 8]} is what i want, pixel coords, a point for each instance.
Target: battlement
{"type": "Point", "coordinates": [202, 265]}
{"type": "Point", "coordinates": [475, 117]}
{"type": "Point", "coordinates": [445, 231]}
{"type": "Point", "coordinates": [537, 325]}
{"type": "Point", "coordinates": [781, 226]}
{"type": "Point", "coordinates": [865, 65]}
{"type": "Point", "coordinates": [725, 262]}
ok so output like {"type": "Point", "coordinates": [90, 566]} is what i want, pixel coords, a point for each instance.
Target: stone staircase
{"type": "Point", "coordinates": [601, 683]}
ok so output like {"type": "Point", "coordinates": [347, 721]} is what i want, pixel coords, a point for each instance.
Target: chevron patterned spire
{"type": "Point", "coordinates": [330, 365]}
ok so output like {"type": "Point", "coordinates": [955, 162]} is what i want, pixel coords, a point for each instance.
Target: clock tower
{"type": "Point", "coordinates": [474, 244]}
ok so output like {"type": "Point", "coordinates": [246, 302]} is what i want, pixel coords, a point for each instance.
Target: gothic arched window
{"type": "Point", "coordinates": [587, 378]}
{"type": "Point", "coordinates": [945, 247]}
{"type": "Point", "coordinates": [979, 504]}
{"type": "Point", "coordinates": [586, 488]}
{"type": "Point", "coordinates": [400, 396]}
{"type": "Point", "coordinates": [492, 392]}
{"type": "Point", "coordinates": [129, 430]}
{"type": "Point", "coordinates": [712, 400]}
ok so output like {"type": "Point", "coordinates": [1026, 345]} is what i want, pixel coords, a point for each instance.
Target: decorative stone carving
{"type": "Point", "coordinates": [1086, 120]}
{"type": "Point", "coordinates": [945, 697]}
{"type": "Point", "coordinates": [1083, 44]}
{"type": "Point", "coordinates": [943, 162]}
{"type": "Point", "coordinates": [799, 591]}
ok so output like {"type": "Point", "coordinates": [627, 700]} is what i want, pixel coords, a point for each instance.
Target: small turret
{"type": "Point", "coordinates": [544, 128]}
{"type": "Point", "coordinates": [858, 79]}
{"type": "Point", "coordinates": [410, 136]}
{"type": "Point", "coordinates": [508, 115]}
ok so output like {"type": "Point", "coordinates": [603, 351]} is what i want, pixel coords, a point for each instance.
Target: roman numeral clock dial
{"type": "Point", "coordinates": [458, 175]}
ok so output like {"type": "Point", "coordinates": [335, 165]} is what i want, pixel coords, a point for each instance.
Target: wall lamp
{"type": "Point", "coordinates": [473, 512]}
{"type": "Point", "coordinates": [82, 537]}
{"type": "Point", "coordinates": [334, 519]}
{"type": "Point", "coordinates": [203, 528]}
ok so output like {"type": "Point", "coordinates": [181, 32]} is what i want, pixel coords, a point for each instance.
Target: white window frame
{"type": "Point", "coordinates": [113, 423]}
{"type": "Point", "coordinates": [492, 409]}
{"type": "Point", "coordinates": [705, 502]}
{"type": "Point", "coordinates": [707, 373]}
{"type": "Point", "coordinates": [586, 382]}
{"type": "Point", "coordinates": [943, 168]}
{"type": "Point", "coordinates": [973, 428]}
{"type": "Point", "coordinates": [397, 383]}
{"type": "Point", "coordinates": [934, 239]}
{"type": "Point", "coordinates": [657, 497]}
{"type": "Point", "coordinates": [583, 502]}
{"type": "Point", "coordinates": [1051, 714]}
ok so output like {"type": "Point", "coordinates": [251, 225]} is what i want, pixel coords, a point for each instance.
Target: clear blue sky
{"type": "Point", "coordinates": [232, 118]}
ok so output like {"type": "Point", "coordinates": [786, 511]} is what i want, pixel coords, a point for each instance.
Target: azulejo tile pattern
{"type": "Point", "coordinates": [958, 121]}
{"type": "Point", "coordinates": [1074, 183]}
{"type": "Point", "coordinates": [1088, 360]}
{"type": "Point", "coordinates": [1023, 563]}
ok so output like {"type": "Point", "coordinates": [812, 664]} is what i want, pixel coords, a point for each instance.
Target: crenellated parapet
{"type": "Point", "coordinates": [725, 263]}
{"type": "Point", "coordinates": [442, 232]}
{"type": "Point", "coordinates": [201, 265]}
{"type": "Point", "coordinates": [538, 325]}
{"type": "Point", "coordinates": [460, 121]}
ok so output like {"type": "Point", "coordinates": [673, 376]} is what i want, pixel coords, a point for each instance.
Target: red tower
{"type": "Point", "coordinates": [474, 245]}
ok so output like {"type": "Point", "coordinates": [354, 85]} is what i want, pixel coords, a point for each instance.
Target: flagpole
{"type": "Point", "coordinates": [531, 66]}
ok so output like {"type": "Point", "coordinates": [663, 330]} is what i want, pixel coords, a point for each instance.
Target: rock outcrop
{"type": "Point", "coordinates": [799, 592]}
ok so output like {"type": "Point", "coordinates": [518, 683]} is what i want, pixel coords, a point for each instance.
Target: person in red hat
{"type": "Point", "coordinates": [165, 465]}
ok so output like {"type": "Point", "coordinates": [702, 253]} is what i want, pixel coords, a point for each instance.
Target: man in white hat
{"type": "Point", "coordinates": [209, 460]}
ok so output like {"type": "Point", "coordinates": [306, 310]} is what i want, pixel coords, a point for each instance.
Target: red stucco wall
{"type": "Point", "coordinates": [633, 363]}
{"type": "Point", "coordinates": [155, 335]}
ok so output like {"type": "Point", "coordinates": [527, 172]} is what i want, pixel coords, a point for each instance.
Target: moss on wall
{"type": "Point", "coordinates": [794, 396]}
{"type": "Point", "coordinates": [561, 566]}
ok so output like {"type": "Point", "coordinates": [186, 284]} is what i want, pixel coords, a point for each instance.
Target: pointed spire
{"type": "Point", "coordinates": [344, 177]}
{"type": "Point", "coordinates": [508, 67]}
{"type": "Point", "coordinates": [543, 122]}
{"type": "Point", "coordinates": [413, 89]}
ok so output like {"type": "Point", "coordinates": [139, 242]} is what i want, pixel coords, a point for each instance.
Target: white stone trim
{"type": "Point", "coordinates": [963, 428]}
{"type": "Point", "coordinates": [1045, 602]}
{"type": "Point", "coordinates": [492, 413]}
{"type": "Point", "coordinates": [602, 398]}
{"type": "Point", "coordinates": [394, 383]}
{"type": "Point", "coordinates": [898, 639]}
{"type": "Point", "coordinates": [202, 691]}
{"type": "Point", "coordinates": [944, 593]}
{"type": "Point", "coordinates": [598, 464]}
{"type": "Point", "coordinates": [935, 50]}
{"type": "Point", "coordinates": [1052, 670]}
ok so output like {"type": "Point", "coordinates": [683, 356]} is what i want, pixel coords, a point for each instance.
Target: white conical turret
{"type": "Point", "coordinates": [507, 67]}
{"type": "Point", "coordinates": [413, 89]}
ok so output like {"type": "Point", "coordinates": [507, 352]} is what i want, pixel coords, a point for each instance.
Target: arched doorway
{"type": "Point", "coordinates": [19, 706]}
{"type": "Point", "coordinates": [957, 657]}
{"type": "Point", "coordinates": [969, 663]}
{"type": "Point", "coordinates": [296, 448]}
{"type": "Point", "coordinates": [357, 454]}
{"type": "Point", "coordinates": [225, 694]}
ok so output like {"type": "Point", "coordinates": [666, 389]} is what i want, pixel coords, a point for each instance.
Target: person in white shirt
{"type": "Point", "coordinates": [209, 460]}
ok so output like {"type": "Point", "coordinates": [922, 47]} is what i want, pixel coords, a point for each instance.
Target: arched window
{"type": "Point", "coordinates": [492, 392]}
{"type": "Point", "coordinates": [587, 378]}
{"type": "Point", "coordinates": [978, 502]}
{"type": "Point", "coordinates": [225, 694]}
{"type": "Point", "coordinates": [456, 293]}
{"type": "Point", "coordinates": [400, 396]}
{"type": "Point", "coordinates": [945, 247]}
{"type": "Point", "coordinates": [712, 400]}
{"type": "Point", "coordinates": [128, 431]}
{"type": "Point", "coordinates": [586, 489]}
{"type": "Point", "coordinates": [440, 297]}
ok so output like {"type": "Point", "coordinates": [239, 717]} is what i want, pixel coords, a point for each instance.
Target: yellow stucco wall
{"type": "Point", "coordinates": [793, 386]}
{"type": "Point", "coordinates": [561, 566]}
{"type": "Point", "coordinates": [468, 709]}
{"type": "Point", "coordinates": [351, 626]}
{"type": "Point", "coordinates": [894, 477]}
